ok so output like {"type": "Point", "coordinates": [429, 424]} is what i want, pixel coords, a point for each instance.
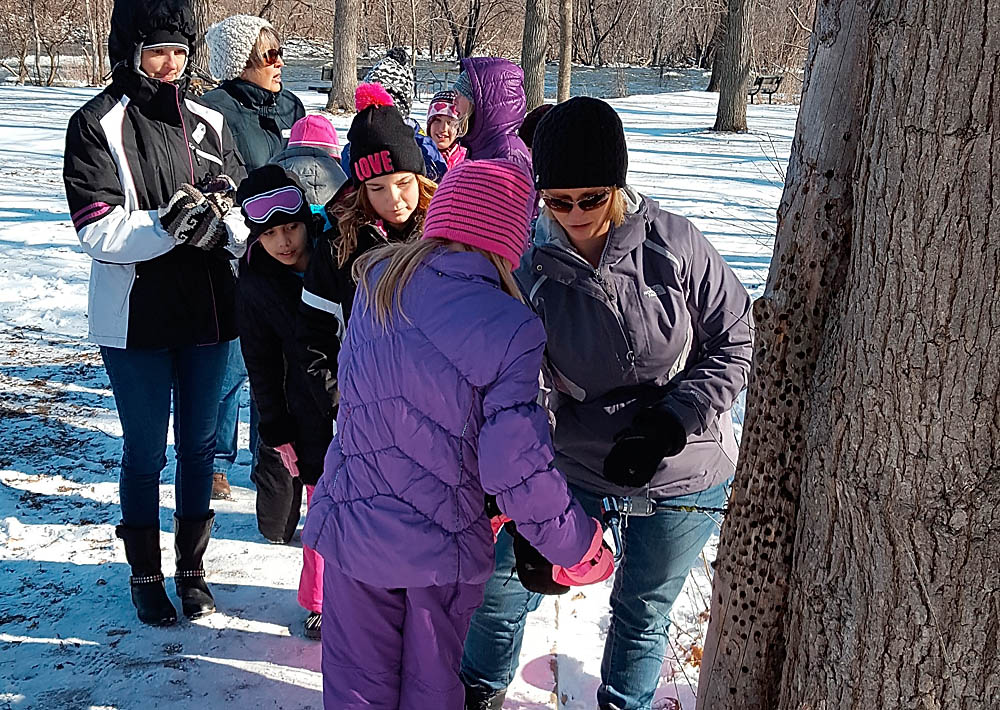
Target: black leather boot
{"type": "Point", "coordinates": [483, 699]}
{"type": "Point", "coordinates": [190, 542]}
{"type": "Point", "coordinates": [142, 550]}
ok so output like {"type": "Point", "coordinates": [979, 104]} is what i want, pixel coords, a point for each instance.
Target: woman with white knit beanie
{"type": "Point", "coordinates": [245, 53]}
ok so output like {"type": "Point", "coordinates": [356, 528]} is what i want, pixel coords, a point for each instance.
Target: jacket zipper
{"type": "Point", "coordinates": [187, 142]}
{"type": "Point", "coordinates": [611, 301]}
{"type": "Point", "coordinates": [190, 153]}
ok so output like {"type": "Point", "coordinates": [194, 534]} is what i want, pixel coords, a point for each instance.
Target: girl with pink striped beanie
{"type": "Point", "coordinates": [438, 409]}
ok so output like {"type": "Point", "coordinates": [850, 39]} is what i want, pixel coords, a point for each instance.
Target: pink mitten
{"type": "Point", "coordinates": [597, 564]}
{"type": "Point", "coordinates": [288, 458]}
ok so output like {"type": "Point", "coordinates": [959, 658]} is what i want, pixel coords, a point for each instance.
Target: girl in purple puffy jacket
{"type": "Point", "coordinates": [438, 382]}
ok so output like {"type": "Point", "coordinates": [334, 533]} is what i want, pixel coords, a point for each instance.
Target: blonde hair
{"type": "Point", "coordinates": [404, 259]}
{"type": "Point", "coordinates": [616, 210]}
{"type": "Point", "coordinates": [464, 123]}
{"type": "Point", "coordinates": [268, 38]}
{"type": "Point", "coordinates": [355, 211]}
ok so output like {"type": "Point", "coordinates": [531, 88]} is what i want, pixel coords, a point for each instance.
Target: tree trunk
{"type": "Point", "coordinates": [734, 74]}
{"type": "Point", "coordinates": [345, 57]}
{"type": "Point", "coordinates": [199, 54]}
{"type": "Point", "coordinates": [413, 35]}
{"type": "Point", "coordinates": [715, 51]}
{"type": "Point", "coordinates": [565, 48]}
{"type": "Point", "coordinates": [38, 43]}
{"type": "Point", "coordinates": [858, 564]}
{"type": "Point", "coordinates": [533, 46]}
{"type": "Point", "coordinates": [95, 69]}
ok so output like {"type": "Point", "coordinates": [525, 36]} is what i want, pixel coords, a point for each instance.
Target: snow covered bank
{"type": "Point", "coordinates": [68, 635]}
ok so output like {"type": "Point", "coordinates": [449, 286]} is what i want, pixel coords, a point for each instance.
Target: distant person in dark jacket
{"type": "Point", "coordinates": [283, 232]}
{"type": "Point", "coordinates": [149, 173]}
{"type": "Point", "coordinates": [395, 75]}
{"type": "Point", "coordinates": [649, 345]}
{"type": "Point", "coordinates": [245, 53]}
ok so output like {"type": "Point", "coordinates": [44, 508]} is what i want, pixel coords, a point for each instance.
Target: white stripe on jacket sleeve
{"type": "Point", "coordinates": [322, 304]}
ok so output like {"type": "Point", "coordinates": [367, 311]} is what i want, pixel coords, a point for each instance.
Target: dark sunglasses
{"type": "Point", "coordinates": [588, 203]}
{"type": "Point", "coordinates": [272, 56]}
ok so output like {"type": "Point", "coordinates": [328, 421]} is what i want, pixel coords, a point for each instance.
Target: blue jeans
{"type": "Point", "coordinates": [227, 433]}
{"type": "Point", "coordinates": [143, 381]}
{"type": "Point", "coordinates": [659, 552]}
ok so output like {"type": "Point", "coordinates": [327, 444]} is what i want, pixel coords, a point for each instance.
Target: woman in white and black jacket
{"type": "Point", "coordinates": [149, 174]}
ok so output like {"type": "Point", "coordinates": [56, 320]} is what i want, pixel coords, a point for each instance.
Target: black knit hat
{"type": "Point", "coordinates": [579, 143]}
{"type": "Point", "coordinates": [271, 196]}
{"type": "Point", "coordinates": [381, 141]}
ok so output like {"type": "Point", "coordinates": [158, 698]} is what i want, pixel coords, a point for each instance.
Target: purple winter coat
{"type": "Point", "coordinates": [498, 88]}
{"type": "Point", "coordinates": [433, 412]}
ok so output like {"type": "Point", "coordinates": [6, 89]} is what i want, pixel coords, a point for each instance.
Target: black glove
{"type": "Point", "coordinates": [194, 218]}
{"type": "Point", "coordinates": [216, 183]}
{"type": "Point", "coordinates": [655, 434]}
{"type": "Point", "coordinates": [534, 571]}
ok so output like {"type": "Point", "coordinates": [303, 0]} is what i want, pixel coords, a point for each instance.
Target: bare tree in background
{"type": "Point", "coordinates": [533, 48]}
{"type": "Point", "coordinates": [716, 43]}
{"type": "Point", "coordinates": [858, 565]}
{"type": "Point", "coordinates": [565, 49]}
{"type": "Point", "coordinates": [345, 56]}
{"type": "Point", "coordinates": [200, 49]}
{"type": "Point", "coordinates": [734, 72]}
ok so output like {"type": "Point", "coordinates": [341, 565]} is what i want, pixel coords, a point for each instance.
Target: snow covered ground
{"type": "Point", "coordinates": [68, 634]}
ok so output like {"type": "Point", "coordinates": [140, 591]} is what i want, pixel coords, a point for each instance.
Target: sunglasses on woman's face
{"type": "Point", "coordinates": [272, 56]}
{"type": "Point", "coordinates": [585, 203]}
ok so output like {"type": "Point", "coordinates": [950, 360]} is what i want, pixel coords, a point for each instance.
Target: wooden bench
{"type": "Point", "coordinates": [326, 76]}
{"type": "Point", "coordinates": [766, 85]}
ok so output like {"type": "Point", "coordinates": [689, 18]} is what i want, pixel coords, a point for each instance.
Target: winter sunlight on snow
{"type": "Point", "coordinates": [69, 635]}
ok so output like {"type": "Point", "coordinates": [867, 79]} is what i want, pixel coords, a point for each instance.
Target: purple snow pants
{"type": "Point", "coordinates": [394, 649]}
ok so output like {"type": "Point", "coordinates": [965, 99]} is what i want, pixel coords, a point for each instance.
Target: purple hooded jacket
{"type": "Point", "coordinates": [435, 410]}
{"type": "Point", "coordinates": [498, 88]}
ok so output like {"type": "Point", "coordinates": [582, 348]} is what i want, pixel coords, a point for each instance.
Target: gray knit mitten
{"type": "Point", "coordinates": [195, 219]}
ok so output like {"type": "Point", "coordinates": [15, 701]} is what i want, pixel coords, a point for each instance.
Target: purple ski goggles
{"type": "Point", "coordinates": [262, 207]}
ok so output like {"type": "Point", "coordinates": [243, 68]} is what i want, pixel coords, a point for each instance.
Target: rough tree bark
{"type": "Point", "coordinates": [345, 56]}
{"type": "Point", "coordinates": [533, 47]}
{"type": "Point", "coordinates": [199, 53]}
{"type": "Point", "coordinates": [734, 72]}
{"type": "Point", "coordinates": [859, 563]}
{"type": "Point", "coordinates": [715, 48]}
{"type": "Point", "coordinates": [565, 49]}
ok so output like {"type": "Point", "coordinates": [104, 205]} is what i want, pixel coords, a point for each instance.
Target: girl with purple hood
{"type": "Point", "coordinates": [491, 103]}
{"type": "Point", "coordinates": [438, 408]}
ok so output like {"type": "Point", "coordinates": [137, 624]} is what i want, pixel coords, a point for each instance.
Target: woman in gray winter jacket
{"type": "Point", "coordinates": [649, 345]}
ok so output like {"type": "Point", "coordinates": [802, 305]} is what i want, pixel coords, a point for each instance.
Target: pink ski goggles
{"type": "Point", "coordinates": [260, 208]}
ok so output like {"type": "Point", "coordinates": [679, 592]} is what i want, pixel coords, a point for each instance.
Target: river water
{"type": "Point", "coordinates": [300, 74]}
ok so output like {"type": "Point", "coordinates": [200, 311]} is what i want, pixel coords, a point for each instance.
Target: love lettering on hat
{"type": "Point", "coordinates": [374, 165]}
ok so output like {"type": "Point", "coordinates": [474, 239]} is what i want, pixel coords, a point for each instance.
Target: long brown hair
{"type": "Point", "coordinates": [404, 259]}
{"type": "Point", "coordinates": [354, 211]}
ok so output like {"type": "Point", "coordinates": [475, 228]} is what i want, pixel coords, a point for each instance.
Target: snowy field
{"type": "Point", "coordinates": [68, 634]}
